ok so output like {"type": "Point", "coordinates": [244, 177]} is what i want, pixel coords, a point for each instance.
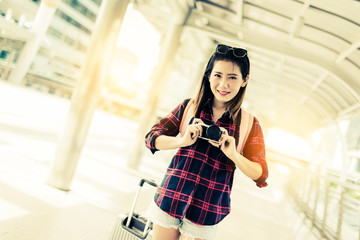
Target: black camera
{"type": "Point", "coordinates": [210, 132]}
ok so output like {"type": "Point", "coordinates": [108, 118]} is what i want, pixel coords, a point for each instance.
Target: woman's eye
{"type": "Point", "coordinates": [233, 78]}
{"type": "Point", "coordinates": [217, 75]}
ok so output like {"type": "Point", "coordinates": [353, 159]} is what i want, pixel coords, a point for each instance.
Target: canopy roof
{"type": "Point", "coordinates": [305, 58]}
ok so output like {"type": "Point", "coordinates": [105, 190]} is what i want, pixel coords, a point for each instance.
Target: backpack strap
{"type": "Point", "coordinates": [188, 114]}
{"type": "Point", "coordinates": [245, 127]}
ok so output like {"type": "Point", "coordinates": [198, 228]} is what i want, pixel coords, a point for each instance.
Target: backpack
{"type": "Point", "coordinates": [245, 124]}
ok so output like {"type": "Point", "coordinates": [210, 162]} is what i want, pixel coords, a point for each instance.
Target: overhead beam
{"type": "Point", "coordinates": [296, 25]}
{"type": "Point", "coordinates": [239, 11]}
{"type": "Point", "coordinates": [350, 9]}
{"type": "Point", "coordinates": [220, 8]}
{"type": "Point", "coordinates": [349, 110]}
{"type": "Point", "coordinates": [347, 51]}
{"type": "Point", "coordinates": [323, 101]}
{"type": "Point", "coordinates": [319, 81]}
{"type": "Point", "coordinates": [280, 64]}
{"type": "Point", "coordinates": [265, 74]}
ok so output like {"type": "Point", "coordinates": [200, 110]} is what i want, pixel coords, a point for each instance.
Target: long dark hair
{"type": "Point", "coordinates": [204, 91]}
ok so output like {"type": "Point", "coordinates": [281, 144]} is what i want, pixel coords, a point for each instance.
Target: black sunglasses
{"type": "Point", "coordinates": [237, 52]}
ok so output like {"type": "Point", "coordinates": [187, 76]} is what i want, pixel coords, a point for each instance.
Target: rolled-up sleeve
{"type": "Point", "coordinates": [254, 150]}
{"type": "Point", "coordinates": [169, 126]}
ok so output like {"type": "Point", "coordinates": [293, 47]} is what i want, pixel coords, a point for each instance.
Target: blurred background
{"type": "Point", "coordinates": [82, 81]}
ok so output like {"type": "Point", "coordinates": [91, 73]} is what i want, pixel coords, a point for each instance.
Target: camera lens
{"type": "Point", "coordinates": [213, 132]}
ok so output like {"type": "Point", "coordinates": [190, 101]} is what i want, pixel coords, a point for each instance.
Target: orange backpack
{"type": "Point", "coordinates": [245, 124]}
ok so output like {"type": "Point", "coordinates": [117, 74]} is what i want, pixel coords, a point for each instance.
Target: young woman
{"type": "Point", "coordinates": [194, 195]}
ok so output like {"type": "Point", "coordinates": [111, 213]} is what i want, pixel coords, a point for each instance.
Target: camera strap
{"type": "Point", "coordinates": [244, 129]}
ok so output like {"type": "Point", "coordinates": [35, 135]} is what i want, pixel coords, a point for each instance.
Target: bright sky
{"type": "Point", "coordinates": [141, 39]}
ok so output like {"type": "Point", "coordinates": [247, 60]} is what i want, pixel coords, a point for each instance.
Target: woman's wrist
{"type": "Point", "coordinates": [181, 142]}
{"type": "Point", "coordinates": [236, 157]}
{"type": "Point", "coordinates": [164, 142]}
{"type": "Point", "coordinates": [252, 169]}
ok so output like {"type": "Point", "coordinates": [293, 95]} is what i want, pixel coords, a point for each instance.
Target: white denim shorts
{"type": "Point", "coordinates": [185, 226]}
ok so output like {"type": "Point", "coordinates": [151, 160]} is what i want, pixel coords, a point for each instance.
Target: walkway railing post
{"type": "Point", "coordinates": [327, 191]}
{"type": "Point", "coordinates": [341, 211]}
{"type": "Point", "coordinates": [317, 183]}
{"type": "Point", "coordinates": [332, 224]}
{"type": "Point", "coordinates": [308, 190]}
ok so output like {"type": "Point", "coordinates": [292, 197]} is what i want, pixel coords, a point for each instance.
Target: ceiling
{"type": "Point", "coordinates": [305, 55]}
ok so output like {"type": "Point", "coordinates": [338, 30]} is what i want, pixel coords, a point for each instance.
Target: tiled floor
{"type": "Point", "coordinates": [30, 123]}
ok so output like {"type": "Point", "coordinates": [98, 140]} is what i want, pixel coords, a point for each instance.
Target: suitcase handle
{"type": "Point", "coordinates": [148, 181]}
{"type": "Point", "coordinates": [141, 184]}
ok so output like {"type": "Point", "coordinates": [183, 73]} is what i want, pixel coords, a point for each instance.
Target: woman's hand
{"type": "Point", "coordinates": [226, 143]}
{"type": "Point", "coordinates": [193, 131]}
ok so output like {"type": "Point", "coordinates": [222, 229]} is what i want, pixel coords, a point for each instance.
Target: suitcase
{"type": "Point", "coordinates": [133, 226]}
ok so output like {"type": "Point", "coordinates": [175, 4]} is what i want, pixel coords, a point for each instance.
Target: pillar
{"type": "Point", "coordinates": [87, 92]}
{"type": "Point", "coordinates": [199, 68]}
{"type": "Point", "coordinates": [158, 78]}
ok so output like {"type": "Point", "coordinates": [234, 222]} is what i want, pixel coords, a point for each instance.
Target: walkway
{"type": "Point", "coordinates": [30, 123]}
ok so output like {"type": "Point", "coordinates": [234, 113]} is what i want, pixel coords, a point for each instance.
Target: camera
{"type": "Point", "coordinates": [210, 132]}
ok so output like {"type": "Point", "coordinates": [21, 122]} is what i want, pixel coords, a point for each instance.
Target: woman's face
{"type": "Point", "coordinates": [225, 81]}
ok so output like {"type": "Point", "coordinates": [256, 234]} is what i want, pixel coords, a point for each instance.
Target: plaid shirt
{"type": "Point", "coordinates": [199, 179]}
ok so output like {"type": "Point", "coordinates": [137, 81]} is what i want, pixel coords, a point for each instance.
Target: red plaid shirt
{"type": "Point", "coordinates": [199, 179]}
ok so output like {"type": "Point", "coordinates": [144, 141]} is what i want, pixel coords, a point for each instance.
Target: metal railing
{"type": "Point", "coordinates": [332, 205]}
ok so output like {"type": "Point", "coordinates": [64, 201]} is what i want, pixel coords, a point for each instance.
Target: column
{"type": "Point", "coordinates": [158, 78]}
{"type": "Point", "coordinates": [42, 21]}
{"type": "Point", "coordinates": [200, 63]}
{"type": "Point", "coordinates": [87, 92]}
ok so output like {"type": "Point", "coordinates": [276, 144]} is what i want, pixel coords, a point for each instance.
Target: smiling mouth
{"type": "Point", "coordinates": [223, 93]}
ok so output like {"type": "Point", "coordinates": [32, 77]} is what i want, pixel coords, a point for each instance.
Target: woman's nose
{"type": "Point", "coordinates": [223, 82]}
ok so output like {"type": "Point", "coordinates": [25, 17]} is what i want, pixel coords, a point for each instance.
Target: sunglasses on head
{"type": "Point", "coordinates": [237, 52]}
